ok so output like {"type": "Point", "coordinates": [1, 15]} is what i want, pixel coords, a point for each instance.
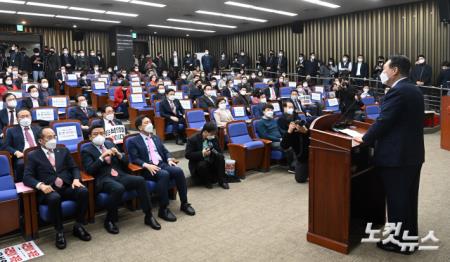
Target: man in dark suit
{"type": "Point", "coordinates": [102, 160]}
{"type": "Point", "coordinates": [271, 62]}
{"type": "Point", "coordinates": [206, 161]}
{"type": "Point", "coordinates": [8, 115]}
{"type": "Point", "coordinates": [61, 77]}
{"type": "Point", "coordinates": [281, 63]}
{"type": "Point", "coordinates": [53, 172]}
{"type": "Point", "coordinates": [272, 93]}
{"type": "Point", "coordinates": [18, 138]}
{"type": "Point", "coordinates": [147, 150]}
{"type": "Point", "coordinates": [82, 112]}
{"type": "Point", "coordinates": [207, 100]}
{"type": "Point", "coordinates": [360, 70]}
{"type": "Point", "coordinates": [421, 73]}
{"type": "Point", "coordinates": [33, 100]}
{"type": "Point", "coordinates": [399, 147]}
{"type": "Point", "coordinates": [312, 65]}
{"type": "Point", "coordinates": [67, 59]}
{"type": "Point", "coordinates": [172, 111]}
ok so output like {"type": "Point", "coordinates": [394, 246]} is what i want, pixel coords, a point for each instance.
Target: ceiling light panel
{"type": "Point", "coordinates": [263, 9]}
{"type": "Point", "coordinates": [322, 3]}
{"type": "Point", "coordinates": [87, 10]}
{"type": "Point", "coordinates": [200, 23]}
{"type": "Point", "coordinates": [181, 28]}
{"type": "Point", "coordinates": [231, 16]}
{"type": "Point", "coordinates": [47, 5]}
{"type": "Point", "coordinates": [35, 14]}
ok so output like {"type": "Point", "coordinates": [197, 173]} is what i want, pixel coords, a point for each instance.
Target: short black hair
{"type": "Point", "coordinates": [5, 96]}
{"type": "Point", "coordinates": [294, 91]}
{"type": "Point", "coordinates": [168, 90]}
{"type": "Point", "coordinates": [286, 102]}
{"type": "Point", "coordinates": [78, 96]}
{"type": "Point", "coordinates": [31, 87]}
{"type": "Point", "coordinates": [103, 108]}
{"type": "Point", "coordinates": [139, 120]}
{"type": "Point", "coordinates": [209, 127]}
{"type": "Point", "coordinates": [267, 106]}
{"type": "Point", "coordinates": [22, 109]}
{"type": "Point", "coordinates": [402, 63]}
{"type": "Point", "coordinates": [40, 132]}
{"type": "Point", "coordinates": [220, 99]}
{"type": "Point", "coordinates": [94, 126]}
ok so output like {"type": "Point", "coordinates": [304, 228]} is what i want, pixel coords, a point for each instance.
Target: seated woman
{"type": "Point", "coordinates": [85, 85]}
{"type": "Point", "coordinates": [121, 100]}
{"type": "Point", "coordinates": [8, 85]}
{"type": "Point", "coordinates": [222, 115]}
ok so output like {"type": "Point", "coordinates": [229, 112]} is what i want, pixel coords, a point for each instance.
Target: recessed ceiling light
{"type": "Point", "coordinates": [105, 21]}
{"type": "Point", "coordinates": [270, 10]}
{"type": "Point", "coordinates": [7, 12]}
{"type": "Point", "coordinates": [187, 35]}
{"type": "Point", "coordinates": [47, 5]}
{"type": "Point", "coordinates": [12, 2]}
{"type": "Point", "coordinates": [231, 16]}
{"type": "Point", "coordinates": [322, 3]}
{"type": "Point", "coordinates": [155, 33]}
{"type": "Point", "coordinates": [23, 22]}
{"type": "Point", "coordinates": [200, 23]}
{"type": "Point", "coordinates": [137, 2]}
{"type": "Point", "coordinates": [87, 10]}
{"type": "Point", "coordinates": [121, 14]}
{"type": "Point", "coordinates": [35, 14]}
{"type": "Point", "coordinates": [74, 26]}
{"type": "Point", "coordinates": [181, 28]}
{"type": "Point", "coordinates": [72, 17]}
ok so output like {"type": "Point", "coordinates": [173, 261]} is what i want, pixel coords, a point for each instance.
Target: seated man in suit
{"type": "Point", "coordinates": [243, 100]}
{"type": "Point", "coordinates": [195, 90]}
{"type": "Point", "coordinates": [258, 109]}
{"type": "Point", "coordinates": [161, 95]}
{"type": "Point", "coordinates": [207, 100]}
{"type": "Point", "coordinates": [228, 90]}
{"type": "Point", "coordinates": [62, 77]}
{"type": "Point", "coordinates": [102, 160]}
{"type": "Point", "coordinates": [82, 112]}
{"type": "Point", "coordinates": [34, 100]}
{"type": "Point", "coordinates": [8, 113]}
{"type": "Point", "coordinates": [147, 150]}
{"type": "Point", "coordinates": [54, 173]}
{"type": "Point", "coordinates": [172, 111]}
{"type": "Point", "coordinates": [272, 93]}
{"type": "Point", "coordinates": [18, 138]}
{"type": "Point", "coordinates": [206, 161]}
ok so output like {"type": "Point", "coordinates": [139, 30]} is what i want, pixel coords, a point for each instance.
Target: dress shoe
{"type": "Point", "coordinates": [60, 242]}
{"type": "Point", "coordinates": [111, 227]}
{"type": "Point", "coordinates": [187, 208]}
{"type": "Point", "coordinates": [81, 233]}
{"type": "Point", "coordinates": [391, 247]}
{"type": "Point", "coordinates": [151, 221]}
{"type": "Point", "coordinates": [224, 185]}
{"type": "Point", "coordinates": [167, 215]}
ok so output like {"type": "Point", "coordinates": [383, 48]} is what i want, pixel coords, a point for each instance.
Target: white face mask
{"type": "Point", "coordinates": [360, 60]}
{"type": "Point", "coordinates": [11, 104]}
{"type": "Point", "coordinates": [98, 140]}
{"type": "Point", "coordinates": [96, 68]}
{"type": "Point", "coordinates": [268, 114]}
{"type": "Point", "coordinates": [149, 128]}
{"type": "Point", "coordinates": [8, 82]}
{"type": "Point", "coordinates": [222, 106]}
{"type": "Point", "coordinates": [65, 52]}
{"type": "Point", "coordinates": [183, 77]}
{"type": "Point", "coordinates": [34, 94]}
{"type": "Point", "coordinates": [82, 55]}
{"type": "Point", "coordinates": [243, 93]}
{"type": "Point", "coordinates": [294, 98]}
{"type": "Point", "coordinates": [384, 78]}
{"type": "Point", "coordinates": [305, 84]}
{"type": "Point", "coordinates": [164, 74]}
{"type": "Point", "coordinates": [290, 111]}
{"type": "Point", "coordinates": [25, 122]}
{"type": "Point", "coordinates": [210, 137]}
{"type": "Point", "coordinates": [161, 91]}
{"type": "Point", "coordinates": [84, 104]}
{"type": "Point", "coordinates": [313, 57]}
{"type": "Point", "coordinates": [208, 92]}
{"type": "Point", "coordinates": [330, 63]}
{"type": "Point", "coordinates": [366, 90]}
{"type": "Point", "coordinates": [109, 117]}
{"type": "Point", "coordinates": [206, 53]}
{"type": "Point", "coordinates": [36, 54]}
{"type": "Point", "coordinates": [51, 144]}
{"type": "Point", "coordinates": [171, 97]}
{"type": "Point", "coordinates": [263, 100]}
{"type": "Point", "coordinates": [344, 60]}
{"type": "Point", "coordinates": [421, 61]}
{"type": "Point", "coordinates": [15, 72]}
{"type": "Point", "coordinates": [44, 85]}
{"type": "Point", "coordinates": [92, 54]}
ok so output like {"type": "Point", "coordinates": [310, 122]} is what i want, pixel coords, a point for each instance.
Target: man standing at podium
{"type": "Point", "coordinates": [399, 147]}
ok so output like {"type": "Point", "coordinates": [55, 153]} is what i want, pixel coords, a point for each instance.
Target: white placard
{"type": "Point", "coordinates": [135, 83]}
{"type": "Point", "coordinates": [45, 114]}
{"type": "Point", "coordinates": [65, 133]}
{"type": "Point", "coordinates": [333, 102]}
{"type": "Point", "coordinates": [72, 77]}
{"type": "Point", "coordinates": [265, 80]}
{"type": "Point", "coordinates": [239, 111]}
{"type": "Point", "coordinates": [172, 87]}
{"type": "Point", "coordinates": [18, 94]}
{"type": "Point", "coordinates": [316, 96]}
{"type": "Point", "coordinates": [137, 89]}
{"type": "Point", "coordinates": [104, 76]}
{"type": "Point", "coordinates": [179, 95]}
{"type": "Point", "coordinates": [77, 73]}
{"type": "Point", "coordinates": [332, 94]}
{"type": "Point", "coordinates": [276, 107]}
{"type": "Point", "coordinates": [135, 79]}
{"type": "Point", "coordinates": [167, 83]}
{"type": "Point", "coordinates": [137, 98]}
{"type": "Point", "coordinates": [59, 101]}
{"type": "Point", "coordinates": [1, 105]}
{"type": "Point", "coordinates": [318, 89]}
{"type": "Point", "coordinates": [99, 86]}
{"type": "Point", "coordinates": [305, 99]}
{"type": "Point", "coordinates": [293, 84]}
{"type": "Point", "coordinates": [236, 82]}
{"type": "Point", "coordinates": [21, 252]}
{"type": "Point", "coordinates": [186, 104]}
{"type": "Point", "coordinates": [103, 79]}
{"type": "Point", "coordinates": [117, 133]}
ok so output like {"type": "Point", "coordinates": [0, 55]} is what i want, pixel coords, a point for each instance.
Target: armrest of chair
{"type": "Point", "coordinates": [134, 169]}
{"type": "Point", "coordinates": [265, 141]}
{"type": "Point", "coordinates": [28, 195]}
{"type": "Point", "coordinates": [85, 177]}
{"type": "Point", "coordinates": [267, 153]}
{"type": "Point", "coordinates": [21, 188]}
{"type": "Point", "coordinates": [160, 126]}
{"type": "Point", "coordinates": [190, 131]}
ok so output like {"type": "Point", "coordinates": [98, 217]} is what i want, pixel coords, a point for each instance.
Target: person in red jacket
{"type": "Point", "coordinates": [121, 99]}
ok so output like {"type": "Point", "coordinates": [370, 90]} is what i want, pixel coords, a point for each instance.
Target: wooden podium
{"type": "Point", "coordinates": [445, 122]}
{"type": "Point", "coordinates": [344, 192]}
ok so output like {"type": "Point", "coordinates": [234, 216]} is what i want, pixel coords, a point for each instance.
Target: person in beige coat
{"type": "Point", "coordinates": [222, 115]}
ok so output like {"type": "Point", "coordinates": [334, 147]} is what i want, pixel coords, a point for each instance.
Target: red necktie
{"type": "Point", "coordinates": [108, 161]}
{"type": "Point", "coordinates": [29, 137]}
{"type": "Point", "coordinates": [11, 117]}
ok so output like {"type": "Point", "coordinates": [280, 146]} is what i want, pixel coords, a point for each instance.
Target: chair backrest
{"type": "Point", "coordinates": [111, 91]}
{"type": "Point", "coordinates": [237, 132]}
{"type": "Point", "coordinates": [255, 112]}
{"type": "Point", "coordinates": [185, 89]}
{"type": "Point", "coordinates": [239, 112]}
{"type": "Point", "coordinates": [137, 100]}
{"type": "Point", "coordinates": [81, 145]}
{"type": "Point", "coordinates": [195, 118]}
{"type": "Point", "coordinates": [211, 114]}
{"type": "Point", "coordinates": [6, 171]}
{"type": "Point", "coordinates": [68, 132]}
{"type": "Point", "coordinates": [372, 109]}
{"type": "Point", "coordinates": [126, 142]}
{"type": "Point", "coordinates": [45, 113]}
{"type": "Point", "coordinates": [285, 92]}
{"type": "Point", "coordinates": [137, 90]}
{"type": "Point", "coordinates": [156, 108]}
{"type": "Point", "coordinates": [260, 85]}
{"type": "Point", "coordinates": [254, 123]}
{"type": "Point", "coordinates": [368, 100]}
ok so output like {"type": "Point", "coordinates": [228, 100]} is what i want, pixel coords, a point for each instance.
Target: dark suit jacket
{"type": "Point", "coordinates": [14, 140]}
{"type": "Point", "coordinates": [242, 100]}
{"type": "Point", "coordinates": [4, 120]}
{"type": "Point", "coordinates": [421, 73]}
{"type": "Point", "coordinates": [364, 71]}
{"type": "Point", "coordinates": [100, 169]}
{"type": "Point", "coordinates": [138, 153]}
{"type": "Point", "coordinates": [38, 168]}
{"type": "Point", "coordinates": [59, 76]}
{"type": "Point", "coordinates": [67, 59]}
{"type": "Point", "coordinates": [398, 131]}
{"type": "Point", "coordinates": [28, 104]}
{"type": "Point", "coordinates": [77, 113]}
{"type": "Point", "coordinates": [311, 67]}
{"type": "Point", "coordinates": [297, 106]}
{"type": "Point", "coordinates": [204, 102]}
{"type": "Point", "coordinates": [283, 64]}
{"type": "Point", "coordinates": [194, 149]}
{"type": "Point", "coordinates": [166, 112]}
{"type": "Point", "coordinates": [267, 92]}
